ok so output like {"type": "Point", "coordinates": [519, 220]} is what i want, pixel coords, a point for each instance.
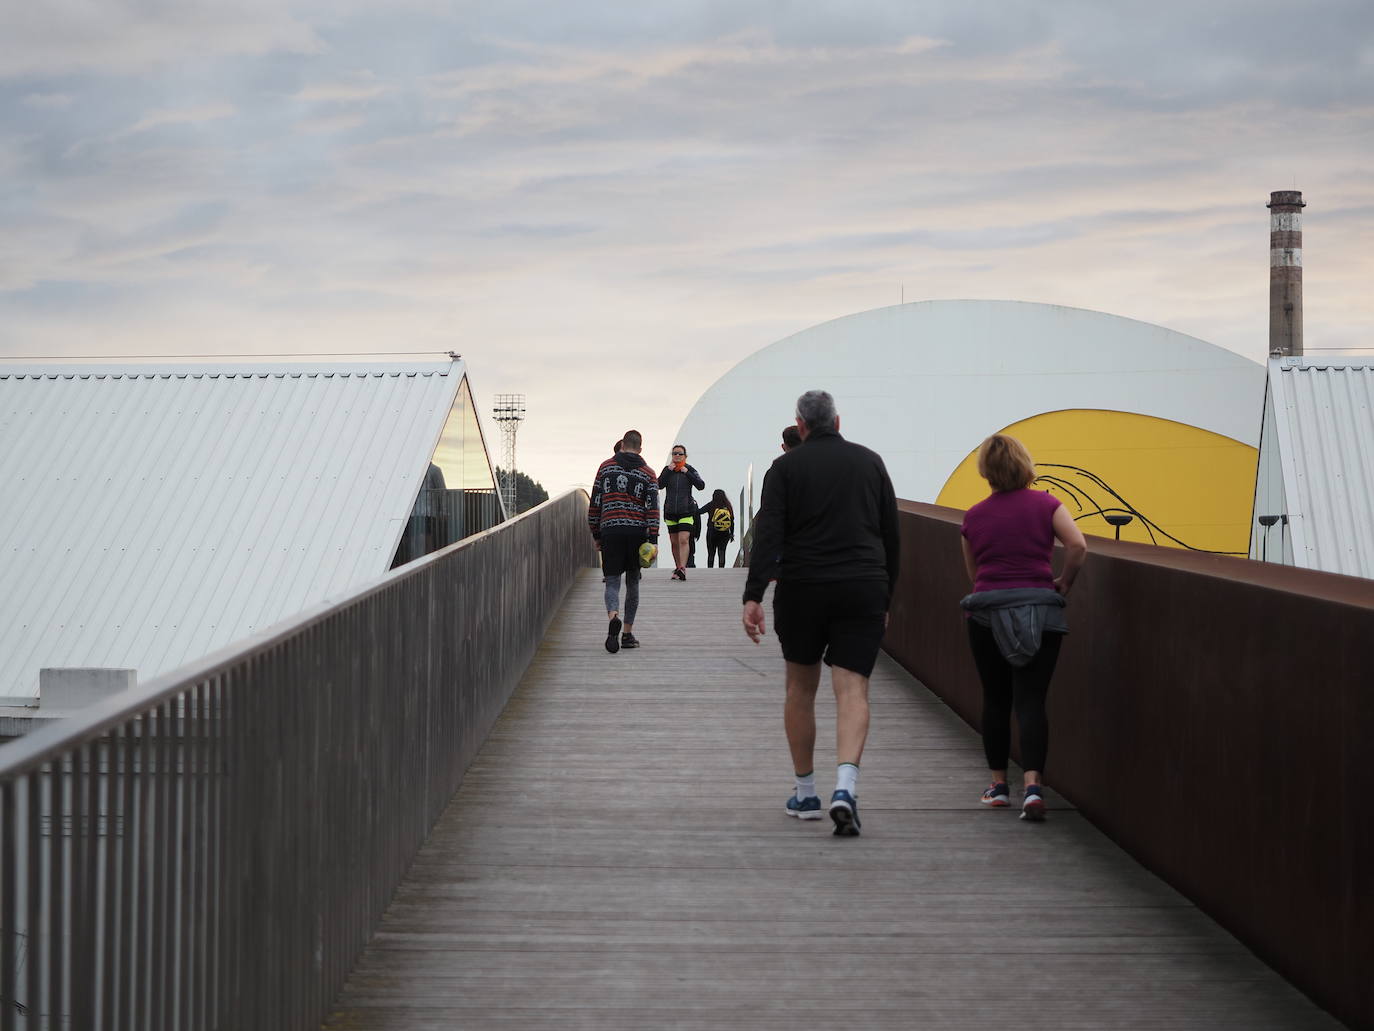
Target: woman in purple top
{"type": "Point", "coordinates": [1015, 613]}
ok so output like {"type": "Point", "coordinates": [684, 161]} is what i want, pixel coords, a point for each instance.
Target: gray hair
{"type": "Point", "coordinates": [816, 408]}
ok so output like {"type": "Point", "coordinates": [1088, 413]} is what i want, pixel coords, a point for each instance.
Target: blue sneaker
{"type": "Point", "coordinates": [997, 795]}
{"type": "Point", "coordinates": [844, 810]}
{"type": "Point", "coordinates": [1033, 806]}
{"type": "Point", "coordinates": [804, 809]}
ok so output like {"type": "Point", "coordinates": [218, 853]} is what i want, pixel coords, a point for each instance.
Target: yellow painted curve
{"type": "Point", "coordinates": [1196, 485]}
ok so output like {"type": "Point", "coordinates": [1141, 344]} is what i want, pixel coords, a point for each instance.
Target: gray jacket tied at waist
{"type": "Point", "coordinates": [1018, 617]}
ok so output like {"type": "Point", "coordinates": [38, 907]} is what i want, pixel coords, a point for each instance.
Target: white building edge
{"type": "Point", "coordinates": [153, 514]}
{"type": "Point", "coordinates": [1314, 490]}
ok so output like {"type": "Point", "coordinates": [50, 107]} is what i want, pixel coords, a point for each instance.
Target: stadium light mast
{"type": "Point", "coordinates": [509, 411]}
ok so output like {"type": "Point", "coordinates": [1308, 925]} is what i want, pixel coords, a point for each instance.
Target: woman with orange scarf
{"type": "Point", "coordinates": [679, 508]}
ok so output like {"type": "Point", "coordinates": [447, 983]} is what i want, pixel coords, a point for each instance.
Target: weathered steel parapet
{"type": "Point", "coordinates": [1212, 715]}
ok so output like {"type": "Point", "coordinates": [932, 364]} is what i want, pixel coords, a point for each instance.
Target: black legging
{"type": "Point", "coordinates": [715, 546]}
{"type": "Point", "coordinates": [1005, 685]}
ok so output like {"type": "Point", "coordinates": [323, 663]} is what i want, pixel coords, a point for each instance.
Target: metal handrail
{"type": "Point", "coordinates": [213, 848]}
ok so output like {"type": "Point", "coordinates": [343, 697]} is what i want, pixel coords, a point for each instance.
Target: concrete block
{"type": "Point", "coordinates": [77, 688]}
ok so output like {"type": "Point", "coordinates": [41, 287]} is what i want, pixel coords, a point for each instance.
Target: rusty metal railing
{"type": "Point", "coordinates": [1214, 716]}
{"type": "Point", "coordinates": [213, 849]}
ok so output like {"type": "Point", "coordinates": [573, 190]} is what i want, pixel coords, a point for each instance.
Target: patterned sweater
{"type": "Point", "coordinates": [624, 499]}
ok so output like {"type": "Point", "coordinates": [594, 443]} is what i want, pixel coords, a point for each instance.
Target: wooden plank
{"type": "Point", "coordinates": [618, 857]}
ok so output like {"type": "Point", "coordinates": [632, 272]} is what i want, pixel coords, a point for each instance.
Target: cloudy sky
{"type": "Point", "coordinates": [606, 205]}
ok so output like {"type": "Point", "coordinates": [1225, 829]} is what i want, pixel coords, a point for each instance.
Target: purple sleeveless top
{"type": "Point", "coordinates": [1011, 535]}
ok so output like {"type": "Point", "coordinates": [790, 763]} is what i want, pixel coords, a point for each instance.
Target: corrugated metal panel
{"type": "Point", "coordinates": [1325, 424]}
{"type": "Point", "coordinates": [152, 515]}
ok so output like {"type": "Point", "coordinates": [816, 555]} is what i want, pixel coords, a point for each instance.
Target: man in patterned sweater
{"type": "Point", "coordinates": [623, 514]}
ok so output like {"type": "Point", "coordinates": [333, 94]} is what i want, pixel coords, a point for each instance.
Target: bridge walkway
{"type": "Point", "coordinates": [618, 857]}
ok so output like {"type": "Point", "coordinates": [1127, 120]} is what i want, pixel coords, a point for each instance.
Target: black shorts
{"type": "Point", "coordinates": [620, 554]}
{"type": "Point", "coordinates": [840, 622]}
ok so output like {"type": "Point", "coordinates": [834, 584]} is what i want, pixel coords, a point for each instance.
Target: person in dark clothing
{"type": "Point", "coordinates": [622, 515]}
{"type": "Point", "coordinates": [679, 509]}
{"type": "Point", "coordinates": [719, 517]}
{"type": "Point", "coordinates": [827, 530]}
{"type": "Point", "coordinates": [692, 541]}
{"type": "Point", "coordinates": [791, 438]}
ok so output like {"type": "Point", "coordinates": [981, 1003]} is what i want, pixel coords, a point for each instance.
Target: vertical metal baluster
{"type": "Point", "coordinates": [128, 866]}
{"type": "Point", "coordinates": [57, 911]}
{"type": "Point", "coordinates": [287, 701]}
{"type": "Point", "coordinates": [9, 894]}
{"type": "Point", "coordinates": [224, 912]}
{"type": "Point", "coordinates": [33, 873]}
{"type": "Point", "coordinates": [193, 857]}
{"type": "Point", "coordinates": [238, 994]}
{"type": "Point", "coordinates": [157, 874]}
{"type": "Point", "coordinates": [164, 963]}
{"type": "Point", "coordinates": [110, 878]}
{"type": "Point", "coordinates": [85, 888]}
{"type": "Point", "coordinates": [143, 888]}
{"type": "Point", "coordinates": [268, 901]}
{"type": "Point", "coordinates": [297, 954]}
{"type": "Point", "coordinates": [214, 1015]}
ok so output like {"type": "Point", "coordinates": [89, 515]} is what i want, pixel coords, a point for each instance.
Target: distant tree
{"type": "Point", "coordinates": [528, 493]}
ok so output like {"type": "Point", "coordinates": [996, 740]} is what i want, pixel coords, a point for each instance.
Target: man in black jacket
{"type": "Point", "coordinates": [827, 530]}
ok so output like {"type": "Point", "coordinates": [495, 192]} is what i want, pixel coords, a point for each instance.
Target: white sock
{"type": "Point", "coordinates": [847, 778]}
{"type": "Point", "coordinates": [806, 786]}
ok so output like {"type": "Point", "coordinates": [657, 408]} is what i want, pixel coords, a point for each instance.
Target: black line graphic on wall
{"type": "Point", "coordinates": [1089, 506]}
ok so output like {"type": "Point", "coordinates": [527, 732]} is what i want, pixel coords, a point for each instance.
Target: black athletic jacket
{"type": "Point", "coordinates": [828, 513]}
{"type": "Point", "coordinates": [677, 491]}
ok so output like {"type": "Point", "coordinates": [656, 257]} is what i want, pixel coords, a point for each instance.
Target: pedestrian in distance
{"type": "Point", "coordinates": [622, 515]}
{"type": "Point", "coordinates": [791, 438]}
{"type": "Point", "coordinates": [616, 448]}
{"type": "Point", "coordinates": [827, 529]}
{"type": "Point", "coordinates": [1015, 614]}
{"type": "Point", "coordinates": [719, 516]}
{"type": "Point", "coordinates": [692, 540]}
{"type": "Point", "coordinates": [679, 508]}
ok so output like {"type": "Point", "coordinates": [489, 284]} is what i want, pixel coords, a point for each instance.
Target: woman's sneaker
{"type": "Point", "coordinates": [804, 808]}
{"type": "Point", "coordinates": [613, 635]}
{"type": "Point", "coordinates": [629, 640]}
{"type": "Point", "coordinates": [1033, 806]}
{"type": "Point", "coordinates": [997, 795]}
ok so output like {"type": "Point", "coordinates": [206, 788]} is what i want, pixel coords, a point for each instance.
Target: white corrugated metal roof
{"type": "Point", "coordinates": [149, 515]}
{"type": "Point", "coordinates": [1324, 411]}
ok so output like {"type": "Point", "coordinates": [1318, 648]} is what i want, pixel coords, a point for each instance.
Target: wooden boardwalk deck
{"type": "Point", "coordinates": [618, 857]}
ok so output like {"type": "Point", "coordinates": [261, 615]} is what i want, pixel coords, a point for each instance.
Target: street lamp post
{"type": "Point", "coordinates": [1267, 521]}
{"type": "Point", "coordinates": [1118, 520]}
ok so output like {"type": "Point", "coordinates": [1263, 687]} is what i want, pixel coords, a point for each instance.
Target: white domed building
{"type": "Point", "coordinates": [1120, 415]}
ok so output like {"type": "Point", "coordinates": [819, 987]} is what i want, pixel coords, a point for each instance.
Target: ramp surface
{"type": "Point", "coordinates": [618, 857]}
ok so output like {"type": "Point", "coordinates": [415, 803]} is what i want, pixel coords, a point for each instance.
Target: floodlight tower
{"type": "Point", "coordinates": [509, 411]}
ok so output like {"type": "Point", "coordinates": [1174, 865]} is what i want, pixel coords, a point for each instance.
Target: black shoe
{"type": "Point", "coordinates": [613, 635]}
{"type": "Point", "coordinates": [679, 573]}
{"type": "Point", "coordinates": [629, 640]}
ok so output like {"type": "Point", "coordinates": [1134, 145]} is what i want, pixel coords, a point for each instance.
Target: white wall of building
{"type": "Point", "coordinates": [924, 383]}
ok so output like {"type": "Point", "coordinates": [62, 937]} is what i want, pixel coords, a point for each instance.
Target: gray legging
{"type": "Point", "coordinates": [631, 595]}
